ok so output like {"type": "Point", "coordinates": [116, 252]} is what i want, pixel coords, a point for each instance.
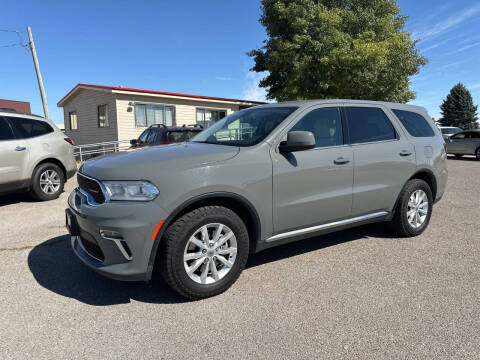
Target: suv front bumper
{"type": "Point", "coordinates": [114, 239]}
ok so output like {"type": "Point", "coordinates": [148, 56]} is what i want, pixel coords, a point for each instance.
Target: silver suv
{"type": "Point", "coordinates": [34, 156]}
{"type": "Point", "coordinates": [261, 177]}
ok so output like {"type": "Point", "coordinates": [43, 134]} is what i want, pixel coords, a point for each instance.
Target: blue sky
{"type": "Point", "coordinates": [198, 47]}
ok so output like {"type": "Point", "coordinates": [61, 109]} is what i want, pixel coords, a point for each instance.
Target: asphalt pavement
{"type": "Point", "coordinates": [356, 294]}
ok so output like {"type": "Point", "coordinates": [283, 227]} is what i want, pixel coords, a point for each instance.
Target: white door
{"type": "Point", "coordinates": [14, 156]}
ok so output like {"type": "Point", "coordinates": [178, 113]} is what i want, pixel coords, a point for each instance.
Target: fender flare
{"type": "Point", "coordinates": [219, 194]}
{"type": "Point", "coordinates": [418, 171]}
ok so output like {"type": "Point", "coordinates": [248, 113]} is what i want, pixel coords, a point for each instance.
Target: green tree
{"type": "Point", "coordinates": [351, 49]}
{"type": "Point", "coordinates": [458, 109]}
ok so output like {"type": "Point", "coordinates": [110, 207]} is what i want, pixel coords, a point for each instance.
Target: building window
{"type": "Point", "coordinates": [72, 115]}
{"type": "Point", "coordinates": [102, 116]}
{"type": "Point", "coordinates": [206, 117]}
{"type": "Point", "coordinates": [146, 115]}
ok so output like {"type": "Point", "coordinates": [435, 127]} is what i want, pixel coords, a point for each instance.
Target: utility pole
{"type": "Point", "coordinates": [37, 69]}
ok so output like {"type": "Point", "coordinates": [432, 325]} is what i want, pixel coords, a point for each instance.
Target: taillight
{"type": "Point", "coordinates": [70, 141]}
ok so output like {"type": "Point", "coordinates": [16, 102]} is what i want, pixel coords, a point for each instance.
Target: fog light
{"type": "Point", "coordinates": [117, 238]}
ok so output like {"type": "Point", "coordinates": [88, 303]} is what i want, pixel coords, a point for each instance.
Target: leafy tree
{"type": "Point", "coordinates": [458, 109]}
{"type": "Point", "coordinates": [352, 49]}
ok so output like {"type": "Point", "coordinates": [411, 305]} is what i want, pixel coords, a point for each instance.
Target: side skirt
{"type": "Point", "coordinates": [300, 234]}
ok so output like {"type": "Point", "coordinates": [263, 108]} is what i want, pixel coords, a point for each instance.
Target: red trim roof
{"type": "Point", "coordinates": [167, 93]}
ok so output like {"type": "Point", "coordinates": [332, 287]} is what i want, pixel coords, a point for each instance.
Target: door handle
{"type": "Point", "coordinates": [20, 148]}
{"type": "Point", "coordinates": [405, 153]}
{"type": "Point", "coordinates": [341, 161]}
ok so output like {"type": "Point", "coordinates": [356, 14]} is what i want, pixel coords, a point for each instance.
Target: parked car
{"type": "Point", "coordinates": [448, 131]}
{"type": "Point", "coordinates": [160, 134]}
{"type": "Point", "coordinates": [261, 177]}
{"type": "Point", "coordinates": [464, 143]}
{"type": "Point", "coordinates": [35, 156]}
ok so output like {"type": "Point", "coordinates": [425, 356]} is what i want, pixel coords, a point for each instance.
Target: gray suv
{"type": "Point", "coordinates": [261, 177]}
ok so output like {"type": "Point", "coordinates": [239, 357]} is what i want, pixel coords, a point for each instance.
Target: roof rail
{"type": "Point", "coordinates": [196, 125]}
{"type": "Point", "coordinates": [159, 125]}
{"type": "Point", "coordinates": [12, 111]}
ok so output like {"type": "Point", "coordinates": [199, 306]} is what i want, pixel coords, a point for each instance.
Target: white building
{"type": "Point", "coordinates": [98, 113]}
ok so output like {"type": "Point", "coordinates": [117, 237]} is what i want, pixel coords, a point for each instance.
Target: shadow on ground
{"type": "Point", "coordinates": [56, 267]}
{"type": "Point", "coordinates": [15, 198]}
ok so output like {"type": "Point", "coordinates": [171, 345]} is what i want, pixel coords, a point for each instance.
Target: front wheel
{"type": "Point", "coordinates": [414, 208]}
{"type": "Point", "coordinates": [204, 252]}
{"type": "Point", "coordinates": [477, 154]}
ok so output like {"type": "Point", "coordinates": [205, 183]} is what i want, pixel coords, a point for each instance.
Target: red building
{"type": "Point", "coordinates": [18, 106]}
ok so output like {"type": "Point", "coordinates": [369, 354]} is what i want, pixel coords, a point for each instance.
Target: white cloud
{"type": "Point", "coordinates": [463, 48]}
{"type": "Point", "coordinates": [251, 89]}
{"type": "Point", "coordinates": [223, 78]}
{"type": "Point", "coordinates": [474, 86]}
{"type": "Point", "coordinates": [447, 24]}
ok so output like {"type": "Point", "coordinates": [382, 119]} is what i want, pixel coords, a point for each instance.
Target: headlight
{"type": "Point", "coordinates": [130, 190]}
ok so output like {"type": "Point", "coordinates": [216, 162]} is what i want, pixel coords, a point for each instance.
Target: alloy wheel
{"type": "Point", "coordinates": [417, 210]}
{"type": "Point", "coordinates": [210, 253]}
{"type": "Point", "coordinates": [50, 182]}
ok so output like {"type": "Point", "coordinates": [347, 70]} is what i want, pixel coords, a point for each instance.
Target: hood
{"type": "Point", "coordinates": [145, 164]}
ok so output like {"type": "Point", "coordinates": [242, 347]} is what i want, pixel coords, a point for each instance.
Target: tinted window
{"type": "Point", "coordinates": [151, 136]}
{"type": "Point", "coordinates": [415, 124]}
{"type": "Point", "coordinates": [245, 127]}
{"type": "Point", "coordinates": [143, 137]}
{"type": "Point", "coordinates": [325, 124]}
{"type": "Point", "coordinates": [366, 124]}
{"type": "Point", "coordinates": [28, 128]}
{"type": "Point", "coordinates": [459, 136]}
{"type": "Point", "coordinates": [472, 135]}
{"type": "Point", "coordinates": [5, 131]}
{"type": "Point", "coordinates": [180, 135]}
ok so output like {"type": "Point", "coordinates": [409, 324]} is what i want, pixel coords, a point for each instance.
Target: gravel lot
{"type": "Point", "coordinates": [355, 294]}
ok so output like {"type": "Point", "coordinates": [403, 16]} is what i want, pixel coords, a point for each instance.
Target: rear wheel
{"type": "Point", "coordinates": [414, 208]}
{"type": "Point", "coordinates": [204, 252]}
{"type": "Point", "coordinates": [47, 182]}
{"type": "Point", "coordinates": [477, 154]}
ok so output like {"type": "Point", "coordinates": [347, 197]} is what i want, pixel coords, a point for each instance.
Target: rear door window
{"type": "Point", "coordinates": [29, 128]}
{"type": "Point", "coordinates": [414, 123]}
{"type": "Point", "coordinates": [5, 130]}
{"type": "Point", "coordinates": [368, 124]}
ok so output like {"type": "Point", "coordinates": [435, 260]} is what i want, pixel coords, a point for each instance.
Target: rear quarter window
{"type": "Point", "coordinates": [414, 123]}
{"type": "Point", "coordinates": [29, 128]}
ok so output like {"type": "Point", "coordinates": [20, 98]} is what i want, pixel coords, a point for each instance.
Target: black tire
{"type": "Point", "coordinates": [175, 240]}
{"type": "Point", "coordinates": [400, 221]}
{"type": "Point", "coordinates": [36, 190]}
{"type": "Point", "coordinates": [458, 156]}
{"type": "Point", "coordinates": [477, 154]}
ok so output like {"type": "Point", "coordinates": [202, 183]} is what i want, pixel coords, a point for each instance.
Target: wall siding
{"type": "Point", "coordinates": [85, 104]}
{"type": "Point", "coordinates": [185, 112]}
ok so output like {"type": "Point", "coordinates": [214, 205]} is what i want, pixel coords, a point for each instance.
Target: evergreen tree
{"type": "Point", "coordinates": [458, 109]}
{"type": "Point", "coordinates": [353, 49]}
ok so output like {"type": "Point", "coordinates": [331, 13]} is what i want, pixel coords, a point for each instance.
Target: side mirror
{"type": "Point", "coordinates": [133, 142]}
{"type": "Point", "coordinates": [297, 141]}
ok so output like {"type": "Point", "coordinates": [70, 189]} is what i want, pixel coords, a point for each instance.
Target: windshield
{"type": "Point", "coordinates": [448, 131]}
{"type": "Point", "coordinates": [246, 127]}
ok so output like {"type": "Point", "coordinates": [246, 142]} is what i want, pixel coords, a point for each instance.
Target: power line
{"type": "Point", "coordinates": [20, 39]}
